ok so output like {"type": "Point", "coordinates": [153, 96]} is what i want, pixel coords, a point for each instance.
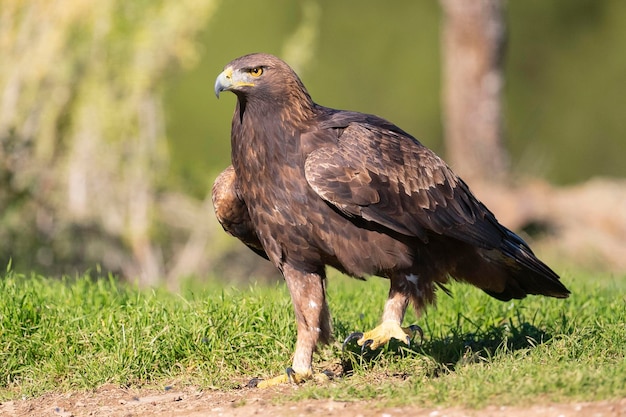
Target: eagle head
{"type": "Point", "coordinates": [261, 76]}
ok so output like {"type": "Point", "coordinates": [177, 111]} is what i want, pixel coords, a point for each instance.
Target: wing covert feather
{"type": "Point", "coordinates": [389, 178]}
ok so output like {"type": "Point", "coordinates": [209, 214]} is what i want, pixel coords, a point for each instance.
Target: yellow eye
{"type": "Point", "coordinates": [256, 72]}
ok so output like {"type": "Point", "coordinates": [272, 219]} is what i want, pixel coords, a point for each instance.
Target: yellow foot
{"type": "Point", "coordinates": [290, 376]}
{"type": "Point", "coordinates": [382, 334]}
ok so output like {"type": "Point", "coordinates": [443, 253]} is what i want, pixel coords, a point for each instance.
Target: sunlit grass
{"type": "Point", "coordinates": [80, 333]}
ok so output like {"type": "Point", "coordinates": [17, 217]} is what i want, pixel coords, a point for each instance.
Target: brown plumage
{"type": "Point", "coordinates": [311, 186]}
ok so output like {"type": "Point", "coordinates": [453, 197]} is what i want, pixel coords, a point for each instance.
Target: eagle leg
{"type": "Point", "coordinates": [390, 328]}
{"type": "Point", "coordinates": [313, 321]}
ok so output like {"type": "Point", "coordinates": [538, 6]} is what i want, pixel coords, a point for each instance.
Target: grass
{"type": "Point", "coordinates": [79, 333]}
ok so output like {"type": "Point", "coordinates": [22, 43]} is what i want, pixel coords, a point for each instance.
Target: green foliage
{"type": "Point", "coordinates": [563, 82]}
{"type": "Point", "coordinates": [79, 333]}
{"type": "Point", "coordinates": [82, 143]}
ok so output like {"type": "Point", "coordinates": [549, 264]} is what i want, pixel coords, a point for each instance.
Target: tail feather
{"type": "Point", "coordinates": [524, 273]}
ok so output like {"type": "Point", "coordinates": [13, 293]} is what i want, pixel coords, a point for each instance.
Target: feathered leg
{"type": "Point", "coordinates": [403, 288]}
{"type": "Point", "coordinates": [313, 320]}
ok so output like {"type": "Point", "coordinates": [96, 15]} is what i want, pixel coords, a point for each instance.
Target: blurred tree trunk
{"type": "Point", "coordinates": [473, 43]}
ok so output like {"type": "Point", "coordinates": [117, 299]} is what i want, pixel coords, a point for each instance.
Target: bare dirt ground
{"type": "Point", "coordinates": [188, 402]}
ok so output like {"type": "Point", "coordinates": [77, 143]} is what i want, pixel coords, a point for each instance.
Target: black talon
{"type": "Point", "coordinates": [290, 374]}
{"type": "Point", "coordinates": [366, 344]}
{"type": "Point", "coordinates": [254, 382]}
{"type": "Point", "coordinates": [351, 337]}
{"type": "Point", "coordinates": [415, 328]}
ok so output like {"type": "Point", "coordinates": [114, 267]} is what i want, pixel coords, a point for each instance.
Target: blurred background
{"type": "Point", "coordinates": [111, 136]}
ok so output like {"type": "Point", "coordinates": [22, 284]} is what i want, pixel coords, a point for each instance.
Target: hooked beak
{"type": "Point", "coordinates": [223, 81]}
{"type": "Point", "coordinates": [230, 80]}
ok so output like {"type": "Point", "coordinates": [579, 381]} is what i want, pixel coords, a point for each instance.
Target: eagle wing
{"type": "Point", "coordinates": [380, 173]}
{"type": "Point", "coordinates": [232, 213]}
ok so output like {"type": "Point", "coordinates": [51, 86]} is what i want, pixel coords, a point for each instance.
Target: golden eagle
{"type": "Point", "coordinates": [311, 186]}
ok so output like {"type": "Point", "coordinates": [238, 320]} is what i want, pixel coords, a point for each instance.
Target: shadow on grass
{"type": "Point", "coordinates": [460, 347]}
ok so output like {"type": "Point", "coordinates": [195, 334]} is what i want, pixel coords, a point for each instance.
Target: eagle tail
{"type": "Point", "coordinates": [521, 271]}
